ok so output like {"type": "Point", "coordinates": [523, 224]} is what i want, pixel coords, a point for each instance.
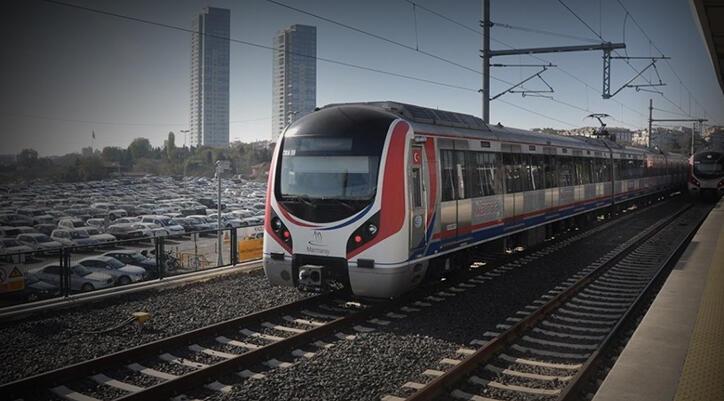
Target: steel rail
{"type": "Point", "coordinates": [571, 390]}
{"type": "Point", "coordinates": [453, 376]}
{"type": "Point", "coordinates": [68, 373]}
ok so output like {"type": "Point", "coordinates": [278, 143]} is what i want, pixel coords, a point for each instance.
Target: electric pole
{"type": "Point", "coordinates": [486, 61]}
{"type": "Point", "coordinates": [651, 116]}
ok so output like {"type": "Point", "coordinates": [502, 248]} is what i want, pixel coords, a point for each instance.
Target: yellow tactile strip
{"type": "Point", "coordinates": [703, 376]}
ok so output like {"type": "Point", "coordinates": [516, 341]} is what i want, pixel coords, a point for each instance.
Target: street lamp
{"type": "Point", "coordinates": [221, 165]}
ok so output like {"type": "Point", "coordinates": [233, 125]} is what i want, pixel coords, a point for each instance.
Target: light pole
{"type": "Point", "coordinates": [221, 165]}
{"type": "Point", "coordinates": [186, 135]}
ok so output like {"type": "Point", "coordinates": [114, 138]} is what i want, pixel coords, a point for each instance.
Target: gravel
{"type": "Point", "coordinates": [59, 338]}
{"type": "Point", "coordinates": [379, 363]}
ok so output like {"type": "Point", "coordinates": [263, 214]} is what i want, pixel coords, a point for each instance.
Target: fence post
{"type": "Point", "coordinates": [65, 271]}
{"type": "Point", "coordinates": [234, 258]}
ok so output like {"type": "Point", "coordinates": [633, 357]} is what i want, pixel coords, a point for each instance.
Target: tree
{"type": "Point", "coordinates": [27, 158]}
{"type": "Point", "coordinates": [170, 146]}
{"type": "Point", "coordinates": [140, 148]}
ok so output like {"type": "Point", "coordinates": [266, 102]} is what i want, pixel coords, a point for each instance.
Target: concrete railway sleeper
{"type": "Point", "coordinates": [549, 349]}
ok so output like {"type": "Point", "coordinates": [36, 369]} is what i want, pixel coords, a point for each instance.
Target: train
{"type": "Point", "coordinates": [706, 174]}
{"type": "Point", "coordinates": [379, 197]}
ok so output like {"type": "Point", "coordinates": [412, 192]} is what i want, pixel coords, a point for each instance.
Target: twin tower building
{"type": "Point", "coordinates": [294, 77]}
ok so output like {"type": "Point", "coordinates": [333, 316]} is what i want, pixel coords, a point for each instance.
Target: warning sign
{"type": "Point", "coordinates": [11, 279]}
{"type": "Point", "coordinates": [250, 243]}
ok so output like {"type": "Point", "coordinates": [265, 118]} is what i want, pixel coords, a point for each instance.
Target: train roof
{"type": "Point", "coordinates": [461, 125]}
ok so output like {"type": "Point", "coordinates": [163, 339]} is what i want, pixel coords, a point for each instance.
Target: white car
{"type": "Point", "coordinates": [150, 230]}
{"type": "Point", "coordinates": [12, 246]}
{"type": "Point", "coordinates": [39, 242]}
{"type": "Point", "coordinates": [73, 238]}
{"type": "Point", "coordinates": [165, 222]}
{"type": "Point", "coordinates": [122, 273]}
{"type": "Point", "coordinates": [96, 234]}
{"type": "Point", "coordinates": [81, 279]}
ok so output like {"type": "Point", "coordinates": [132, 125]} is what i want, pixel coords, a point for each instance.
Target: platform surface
{"type": "Point", "coordinates": [677, 352]}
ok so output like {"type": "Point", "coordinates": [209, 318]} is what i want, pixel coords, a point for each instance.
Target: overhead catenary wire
{"type": "Point", "coordinates": [627, 62]}
{"type": "Point", "coordinates": [668, 63]}
{"type": "Point", "coordinates": [561, 69]}
{"type": "Point", "coordinates": [114, 123]}
{"type": "Point", "coordinates": [259, 45]}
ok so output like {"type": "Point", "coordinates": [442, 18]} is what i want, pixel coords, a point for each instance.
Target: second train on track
{"type": "Point", "coordinates": [376, 197]}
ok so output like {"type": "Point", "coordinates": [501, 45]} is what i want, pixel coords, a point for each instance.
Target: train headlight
{"type": "Point", "coordinates": [364, 233]}
{"type": "Point", "coordinates": [276, 224]}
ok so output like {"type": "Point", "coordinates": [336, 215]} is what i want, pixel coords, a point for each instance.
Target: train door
{"type": "Point", "coordinates": [418, 201]}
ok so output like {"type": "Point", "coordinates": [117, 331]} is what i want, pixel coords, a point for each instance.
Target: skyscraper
{"type": "Point", "coordinates": [210, 78]}
{"type": "Point", "coordinates": [294, 86]}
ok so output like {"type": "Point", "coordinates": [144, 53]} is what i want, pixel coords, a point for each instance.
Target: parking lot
{"type": "Point", "coordinates": [133, 214]}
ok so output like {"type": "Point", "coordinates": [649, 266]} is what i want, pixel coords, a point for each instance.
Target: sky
{"type": "Point", "coordinates": [67, 72]}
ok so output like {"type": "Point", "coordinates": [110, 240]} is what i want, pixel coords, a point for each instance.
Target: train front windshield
{"type": "Point", "coordinates": [327, 178]}
{"type": "Point", "coordinates": [709, 165]}
{"type": "Point", "coordinates": [328, 168]}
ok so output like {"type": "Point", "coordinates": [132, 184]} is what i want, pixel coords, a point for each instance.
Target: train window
{"type": "Point", "coordinates": [535, 168]}
{"type": "Point", "coordinates": [416, 188]}
{"type": "Point", "coordinates": [449, 175]}
{"type": "Point", "coordinates": [516, 174]}
{"type": "Point", "coordinates": [583, 170]}
{"type": "Point", "coordinates": [461, 170]}
{"type": "Point", "coordinates": [565, 171]}
{"type": "Point", "coordinates": [482, 174]}
{"type": "Point", "coordinates": [549, 171]}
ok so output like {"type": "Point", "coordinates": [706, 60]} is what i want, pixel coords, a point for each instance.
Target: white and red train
{"type": "Point", "coordinates": [706, 174]}
{"type": "Point", "coordinates": [377, 196]}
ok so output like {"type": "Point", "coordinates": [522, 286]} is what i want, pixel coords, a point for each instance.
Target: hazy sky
{"type": "Point", "coordinates": [67, 72]}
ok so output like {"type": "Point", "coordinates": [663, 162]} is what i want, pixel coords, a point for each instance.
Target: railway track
{"type": "Point", "coordinates": [248, 345]}
{"type": "Point", "coordinates": [549, 350]}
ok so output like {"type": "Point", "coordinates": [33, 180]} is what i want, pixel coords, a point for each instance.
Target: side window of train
{"type": "Point", "coordinates": [462, 176]}
{"type": "Point", "coordinates": [565, 171]}
{"type": "Point", "coordinates": [550, 171]}
{"type": "Point", "coordinates": [536, 168]}
{"type": "Point", "coordinates": [481, 169]}
{"type": "Point", "coordinates": [449, 175]}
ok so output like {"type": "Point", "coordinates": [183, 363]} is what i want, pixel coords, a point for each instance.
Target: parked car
{"type": "Point", "coordinates": [71, 238]}
{"type": "Point", "coordinates": [70, 223]}
{"type": "Point", "coordinates": [8, 232]}
{"type": "Point", "coordinates": [46, 229]}
{"type": "Point", "coordinates": [26, 230]}
{"type": "Point", "coordinates": [117, 214]}
{"type": "Point", "coordinates": [151, 230]}
{"type": "Point", "coordinates": [133, 257]}
{"type": "Point", "coordinates": [97, 223]}
{"type": "Point", "coordinates": [125, 231]}
{"type": "Point", "coordinates": [81, 279]}
{"type": "Point", "coordinates": [165, 222]}
{"type": "Point", "coordinates": [199, 222]}
{"type": "Point", "coordinates": [121, 272]}
{"type": "Point", "coordinates": [15, 220]}
{"type": "Point", "coordinates": [39, 242]}
{"type": "Point", "coordinates": [230, 221]}
{"type": "Point", "coordinates": [101, 237]}
{"type": "Point", "coordinates": [127, 220]}
{"type": "Point", "coordinates": [12, 246]}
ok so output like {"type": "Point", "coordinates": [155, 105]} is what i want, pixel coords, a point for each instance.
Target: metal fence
{"type": "Point", "coordinates": [36, 275]}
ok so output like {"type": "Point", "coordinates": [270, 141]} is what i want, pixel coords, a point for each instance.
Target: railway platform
{"type": "Point", "coordinates": [677, 352]}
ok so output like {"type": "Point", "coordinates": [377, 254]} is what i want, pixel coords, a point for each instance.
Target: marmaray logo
{"type": "Point", "coordinates": [317, 239]}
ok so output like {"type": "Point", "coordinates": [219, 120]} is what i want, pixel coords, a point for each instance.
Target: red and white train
{"type": "Point", "coordinates": [706, 174]}
{"type": "Point", "coordinates": [375, 197]}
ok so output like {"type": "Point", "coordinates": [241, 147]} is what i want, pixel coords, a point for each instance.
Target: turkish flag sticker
{"type": "Point", "coordinates": [417, 156]}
